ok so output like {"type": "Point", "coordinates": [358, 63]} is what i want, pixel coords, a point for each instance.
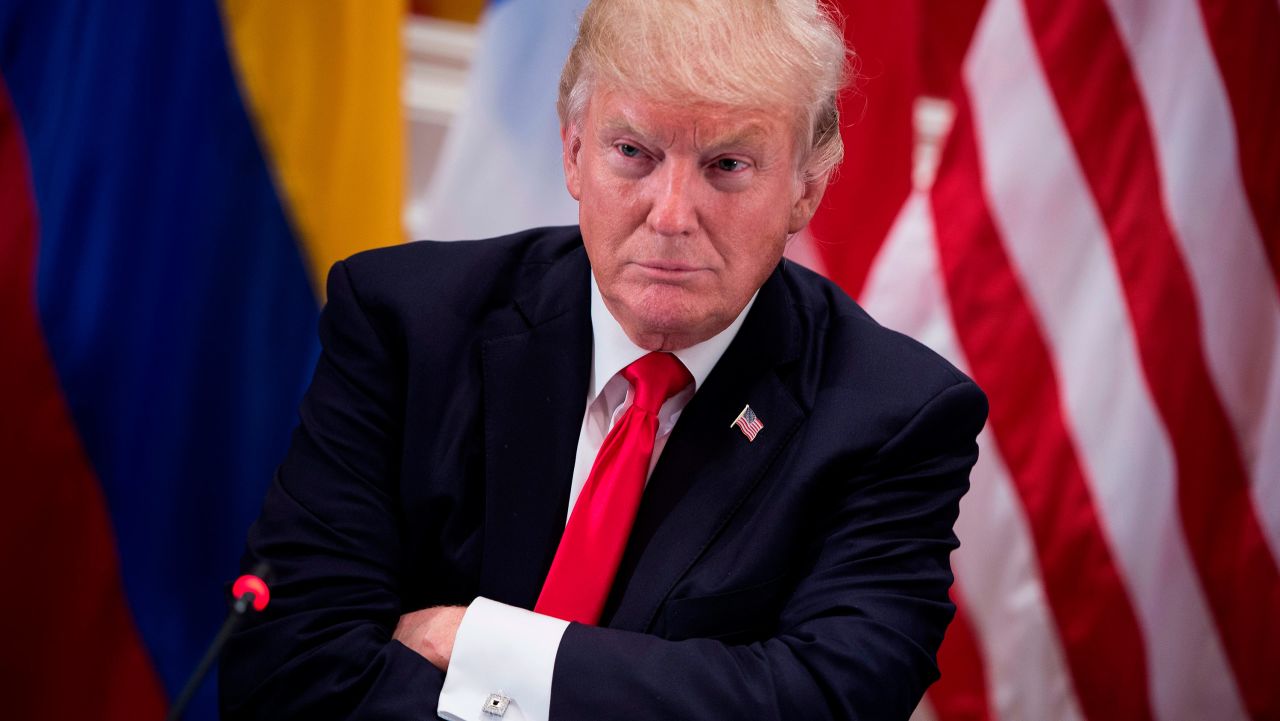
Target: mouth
{"type": "Point", "coordinates": [668, 266]}
{"type": "Point", "coordinates": [666, 270]}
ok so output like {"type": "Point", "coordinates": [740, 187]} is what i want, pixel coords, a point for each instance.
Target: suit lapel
{"type": "Point", "coordinates": [535, 388]}
{"type": "Point", "coordinates": [708, 467]}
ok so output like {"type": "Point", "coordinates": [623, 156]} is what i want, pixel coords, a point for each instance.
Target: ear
{"type": "Point", "coordinates": [570, 151]}
{"type": "Point", "coordinates": [807, 203]}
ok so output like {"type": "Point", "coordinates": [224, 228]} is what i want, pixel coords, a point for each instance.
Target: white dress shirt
{"type": "Point", "coordinates": [509, 651]}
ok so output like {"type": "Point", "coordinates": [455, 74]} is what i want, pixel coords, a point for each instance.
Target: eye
{"type": "Point", "coordinates": [730, 165]}
{"type": "Point", "coordinates": [628, 150]}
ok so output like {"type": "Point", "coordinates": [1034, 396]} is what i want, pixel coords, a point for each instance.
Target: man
{"type": "Point", "coordinates": [639, 469]}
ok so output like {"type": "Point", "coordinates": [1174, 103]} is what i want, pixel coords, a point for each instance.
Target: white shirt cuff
{"type": "Point", "coordinates": [506, 651]}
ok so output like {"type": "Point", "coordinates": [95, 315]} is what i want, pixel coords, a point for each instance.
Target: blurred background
{"type": "Point", "coordinates": [1076, 201]}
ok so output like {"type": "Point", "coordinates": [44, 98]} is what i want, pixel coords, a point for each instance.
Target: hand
{"type": "Point", "coordinates": [430, 632]}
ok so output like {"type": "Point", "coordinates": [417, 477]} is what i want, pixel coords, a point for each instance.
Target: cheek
{"type": "Point", "coordinates": [753, 253]}
{"type": "Point", "coordinates": [613, 211]}
{"type": "Point", "coordinates": [755, 260]}
{"type": "Point", "coordinates": [605, 192]}
{"type": "Point", "coordinates": [765, 205]}
{"type": "Point", "coordinates": [755, 228]}
{"type": "Point", "coordinates": [609, 234]}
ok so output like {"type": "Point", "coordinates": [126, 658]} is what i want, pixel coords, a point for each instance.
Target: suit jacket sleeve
{"type": "Point", "coordinates": [856, 639]}
{"type": "Point", "coordinates": [330, 529]}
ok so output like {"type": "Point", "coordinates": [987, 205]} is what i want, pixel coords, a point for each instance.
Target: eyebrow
{"type": "Point", "coordinates": [615, 126]}
{"type": "Point", "coordinates": [752, 132]}
{"type": "Point", "coordinates": [747, 135]}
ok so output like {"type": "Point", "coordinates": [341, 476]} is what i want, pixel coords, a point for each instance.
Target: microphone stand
{"type": "Point", "coordinates": [250, 592]}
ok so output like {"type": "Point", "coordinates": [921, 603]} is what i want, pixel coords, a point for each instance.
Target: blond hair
{"type": "Point", "coordinates": [744, 53]}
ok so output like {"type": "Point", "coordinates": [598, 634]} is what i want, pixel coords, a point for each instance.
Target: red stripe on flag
{"type": "Point", "coordinates": [866, 193]}
{"type": "Point", "coordinates": [70, 646]}
{"type": "Point", "coordinates": [1245, 35]}
{"type": "Point", "coordinates": [961, 692]}
{"type": "Point", "coordinates": [1089, 72]}
{"type": "Point", "coordinates": [946, 32]}
{"type": "Point", "coordinates": [1009, 359]}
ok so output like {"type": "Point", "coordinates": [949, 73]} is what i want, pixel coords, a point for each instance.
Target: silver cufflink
{"type": "Point", "coordinates": [496, 705]}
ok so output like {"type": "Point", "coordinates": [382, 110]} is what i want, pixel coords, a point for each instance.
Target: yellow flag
{"type": "Point", "coordinates": [323, 81]}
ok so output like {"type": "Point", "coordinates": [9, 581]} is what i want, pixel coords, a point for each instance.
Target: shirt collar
{"type": "Point", "coordinates": [612, 350]}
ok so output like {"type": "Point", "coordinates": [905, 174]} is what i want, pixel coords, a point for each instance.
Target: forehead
{"type": "Point", "coordinates": [701, 123]}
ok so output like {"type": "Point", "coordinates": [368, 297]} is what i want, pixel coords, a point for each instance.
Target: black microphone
{"type": "Point", "coordinates": [249, 592]}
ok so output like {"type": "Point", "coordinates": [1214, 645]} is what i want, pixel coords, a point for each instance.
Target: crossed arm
{"type": "Point", "coordinates": [855, 638]}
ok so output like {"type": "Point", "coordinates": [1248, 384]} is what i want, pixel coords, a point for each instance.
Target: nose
{"type": "Point", "coordinates": [674, 210]}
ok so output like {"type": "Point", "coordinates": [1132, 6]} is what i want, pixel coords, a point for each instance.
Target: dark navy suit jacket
{"type": "Point", "coordinates": [804, 575]}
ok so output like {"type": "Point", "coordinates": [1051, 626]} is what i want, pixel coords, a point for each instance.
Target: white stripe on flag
{"type": "Point", "coordinates": [1059, 247]}
{"type": "Point", "coordinates": [1190, 113]}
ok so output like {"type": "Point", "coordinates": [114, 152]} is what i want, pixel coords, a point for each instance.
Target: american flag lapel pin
{"type": "Point", "coordinates": [748, 422]}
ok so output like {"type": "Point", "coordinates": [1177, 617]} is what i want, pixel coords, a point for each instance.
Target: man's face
{"type": "Point", "coordinates": [685, 210]}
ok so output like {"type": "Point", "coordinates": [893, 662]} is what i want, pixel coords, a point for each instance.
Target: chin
{"type": "Point", "coordinates": [683, 325]}
{"type": "Point", "coordinates": [665, 310]}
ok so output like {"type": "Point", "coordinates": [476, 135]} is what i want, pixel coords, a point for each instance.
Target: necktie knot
{"type": "Point", "coordinates": [656, 377]}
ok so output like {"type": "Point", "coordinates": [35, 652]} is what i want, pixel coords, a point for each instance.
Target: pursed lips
{"type": "Point", "coordinates": [667, 270]}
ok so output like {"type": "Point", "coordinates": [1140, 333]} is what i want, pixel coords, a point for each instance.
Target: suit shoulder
{"type": "Point", "coordinates": [858, 354]}
{"type": "Point", "coordinates": [455, 274]}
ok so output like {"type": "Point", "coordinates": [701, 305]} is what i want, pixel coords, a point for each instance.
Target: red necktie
{"type": "Point", "coordinates": [587, 558]}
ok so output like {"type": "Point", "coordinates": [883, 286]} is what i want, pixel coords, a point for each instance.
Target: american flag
{"type": "Point", "coordinates": [1099, 249]}
{"type": "Point", "coordinates": [748, 423]}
